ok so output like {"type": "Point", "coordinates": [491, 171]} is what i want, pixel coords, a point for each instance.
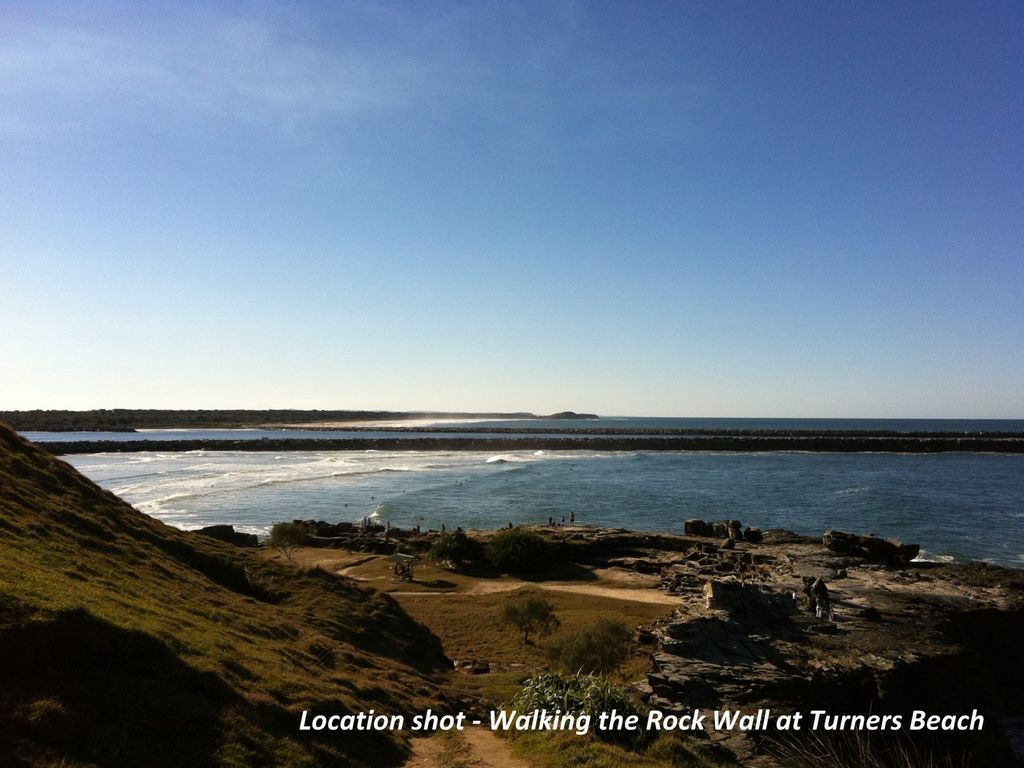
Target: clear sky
{"type": "Point", "coordinates": [643, 208]}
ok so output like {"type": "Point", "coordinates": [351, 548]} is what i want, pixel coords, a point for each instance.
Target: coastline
{"type": "Point", "coordinates": [718, 618]}
{"type": "Point", "coordinates": [933, 497]}
{"type": "Point", "coordinates": [735, 630]}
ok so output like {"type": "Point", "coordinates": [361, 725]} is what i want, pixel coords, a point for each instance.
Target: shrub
{"type": "Point", "coordinates": [601, 647]}
{"type": "Point", "coordinates": [530, 614]}
{"type": "Point", "coordinates": [579, 694]}
{"type": "Point", "coordinates": [456, 547]}
{"type": "Point", "coordinates": [286, 537]}
{"type": "Point", "coordinates": [519, 551]}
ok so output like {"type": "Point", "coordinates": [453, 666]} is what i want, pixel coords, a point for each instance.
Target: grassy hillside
{"type": "Point", "coordinates": [124, 642]}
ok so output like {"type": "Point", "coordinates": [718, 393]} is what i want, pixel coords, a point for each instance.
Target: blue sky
{"type": "Point", "coordinates": [694, 209]}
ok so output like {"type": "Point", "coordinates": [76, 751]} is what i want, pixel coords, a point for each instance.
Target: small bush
{"type": "Point", "coordinates": [530, 614]}
{"type": "Point", "coordinates": [457, 548]}
{"type": "Point", "coordinates": [519, 551]}
{"type": "Point", "coordinates": [579, 694]}
{"type": "Point", "coordinates": [286, 537]}
{"type": "Point", "coordinates": [600, 648]}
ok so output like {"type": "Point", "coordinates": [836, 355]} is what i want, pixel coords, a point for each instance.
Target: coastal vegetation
{"type": "Point", "coordinates": [464, 608]}
{"type": "Point", "coordinates": [566, 750]}
{"type": "Point", "coordinates": [598, 648]}
{"type": "Point", "coordinates": [286, 537]}
{"type": "Point", "coordinates": [128, 419]}
{"type": "Point", "coordinates": [456, 548]}
{"type": "Point", "coordinates": [580, 694]}
{"type": "Point", "coordinates": [519, 550]}
{"type": "Point", "coordinates": [531, 615]}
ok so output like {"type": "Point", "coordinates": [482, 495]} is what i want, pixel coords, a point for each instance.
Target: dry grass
{"type": "Point", "coordinates": [463, 608]}
{"type": "Point", "coordinates": [470, 625]}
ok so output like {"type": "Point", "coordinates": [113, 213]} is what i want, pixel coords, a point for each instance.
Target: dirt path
{"type": "Point", "coordinates": [642, 595]}
{"type": "Point", "coordinates": [425, 753]}
{"type": "Point", "coordinates": [348, 568]}
{"type": "Point", "coordinates": [477, 748]}
{"type": "Point", "coordinates": [637, 588]}
{"type": "Point", "coordinates": [492, 751]}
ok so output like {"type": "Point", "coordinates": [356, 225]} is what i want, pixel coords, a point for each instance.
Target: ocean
{"type": "Point", "coordinates": [956, 505]}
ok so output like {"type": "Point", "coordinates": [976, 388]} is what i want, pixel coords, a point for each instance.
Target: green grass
{"type": "Point", "coordinates": [565, 750]}
{"type": "Point", "coordinates": [125, 642]}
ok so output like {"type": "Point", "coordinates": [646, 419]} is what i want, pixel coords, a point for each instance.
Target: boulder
{"type": "Point", "coordinates": [723, 529]}
{"type": "Point", "coordinates": [880, 549]}
{"type": "Point", "coordinates": [472, 666]}
{"type": "Point", "coordinates": [756, 603]}
{"type": "Point", "coordinates": [908, 552]}
{"type": "Point", "coordinates": [842, 542]}
{"type": "Point", "coordinates": [870, 547]}
{"type": "Point", "coordinates": [638, 564]}
{"type": "Point", "coordinates": [697, 528]}
{"type": "Point", "coordinates": [753, 535]}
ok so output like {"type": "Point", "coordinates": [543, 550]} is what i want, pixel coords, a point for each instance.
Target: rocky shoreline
{"type": "Point", "coordinates": [749, 632]}
{"type": "Point", "coordinates": [897, 636]}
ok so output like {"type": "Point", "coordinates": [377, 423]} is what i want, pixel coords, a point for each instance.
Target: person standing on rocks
{"type": "Point", "coordinates": [822, 602]}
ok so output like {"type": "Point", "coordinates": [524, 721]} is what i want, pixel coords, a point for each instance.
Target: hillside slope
{"type": "Point", "coordinates": [124, 642]}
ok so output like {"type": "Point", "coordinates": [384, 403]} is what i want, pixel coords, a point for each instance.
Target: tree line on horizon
{"type": "Point", "coordinates": [126, 419]}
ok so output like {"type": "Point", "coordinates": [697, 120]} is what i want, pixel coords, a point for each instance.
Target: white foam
{"type": "Point", "coordinates": [504, 458]}
{"type": "Point", "coordinates": [854, 489]}
{"type": "Point", "coordinates": [924, 556]}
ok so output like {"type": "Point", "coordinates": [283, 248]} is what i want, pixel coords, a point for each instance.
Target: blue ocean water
{"type": "Point", "coordinates": [817, 425]}
{"type": "Point", "coordinates": [956, 505]}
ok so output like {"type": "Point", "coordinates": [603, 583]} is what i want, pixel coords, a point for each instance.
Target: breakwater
{"type": "Point", "coordinates": [672, 431]}
{"type": "Point", "coordinates": [560, 442]}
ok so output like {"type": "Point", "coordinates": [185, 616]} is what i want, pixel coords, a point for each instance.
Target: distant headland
{"type": "Point", "coordinates": [131, 419]}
